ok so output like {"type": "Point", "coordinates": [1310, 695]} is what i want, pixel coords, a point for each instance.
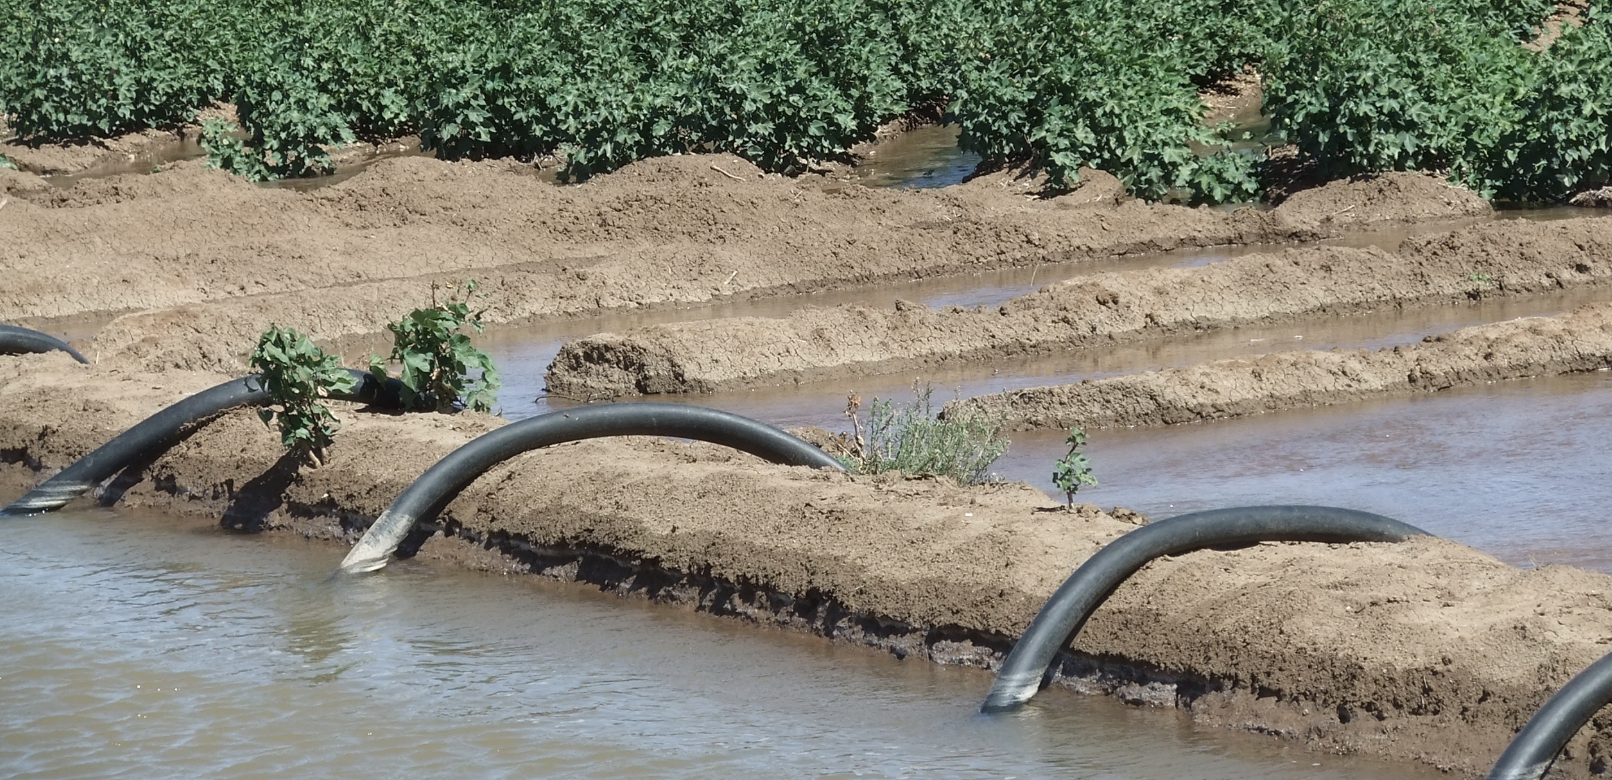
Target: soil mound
{"type": "Point", "coordinates": [818, 344]}
{"type": "Point", "coordinates": [1096, 188]}
{"type": "Point", "coordinates": [1537, 346]}
{"type": "Point", "coordinates": [685, 170]}
{"type": "Point", "coordinates": [54, 159]}
{"type": "Point", "coordinates": [1424, 651]}
{"type": "Point", "coordinates": [1382, 198]}
{"type": "Point", "coordinates": [188, 181]}
{"type": "Point", "coordinates": [20, 183]}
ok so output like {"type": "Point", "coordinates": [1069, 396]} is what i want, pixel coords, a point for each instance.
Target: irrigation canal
{"type": "Point", "coordinates": [144, 647]}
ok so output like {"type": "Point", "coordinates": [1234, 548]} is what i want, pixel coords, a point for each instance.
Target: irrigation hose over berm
{"type": "Point", "coordinates": [439, 484]}
{"type": "Point", "coordinates": [1029, 666]}
{"type": "Point", "coordinates": [18, 341]}
{"type": "Point", "coordinates": [159, 431]}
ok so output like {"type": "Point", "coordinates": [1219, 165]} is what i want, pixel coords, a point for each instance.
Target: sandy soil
{"type": "Point", "coordinates": [1528, 347]}
{"type": "Point", "coordinates": [1491, 259]}
{"type": "Point", "coordinates": [1426, 651]}
{"type": "Point", "coordinates": [204, 261]}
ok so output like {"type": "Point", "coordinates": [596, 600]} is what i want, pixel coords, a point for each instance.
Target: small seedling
{"type": "Point", "coordinates": [912, 440]}
{"type": "Point", "coordinates": [6, 163]}
{"type": "Point", "coordinates": [1073, 470]}
{"type": "Point", "coordinates": [298, 374]}
{"type": "Point", "coordinates": [437, 357]}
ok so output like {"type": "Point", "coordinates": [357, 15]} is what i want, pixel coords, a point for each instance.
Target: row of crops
{"type": "Point", "coordinates": [1355, 85]}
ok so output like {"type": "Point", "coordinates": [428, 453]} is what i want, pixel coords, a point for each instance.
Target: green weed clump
{"type": "Point", "coordinates": [911, 440]}
{"type": "Point", "coordinates": [437, 358]}
{"type": "Point", "coordinates": [298, 376]}
{"type": "Point", "coordinates": [1073, 471]}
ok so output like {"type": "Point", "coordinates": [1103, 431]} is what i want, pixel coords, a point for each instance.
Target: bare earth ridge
{"type": "Point", "coordinates": [1487, 260]}
{"type": "Point", "coordinates": [1528, 347]}
{"type": "Point", "coordinates": [202, 262]}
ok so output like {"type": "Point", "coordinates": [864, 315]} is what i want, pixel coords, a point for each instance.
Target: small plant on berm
{"type": "Point", "coordinates": [1073, 470]}
{"type": "Point", "coordinates": [437, 357]}
{"type": "Point", "coordinates": [7, 164]}
{"type": "Point", "coordinates": [298, 375]}
{"type": "Point", "coordinates": [910, 439]}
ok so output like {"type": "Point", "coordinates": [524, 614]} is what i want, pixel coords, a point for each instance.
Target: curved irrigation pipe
{"type": "Point", "coordinates": [440, 483]}
{"type": "Point", "coordinates": [1534, 749]}
{"type": "Point", "coordinates": [161, 430]}
{"type": "Point", "coordinates": [15, 340]}
{"type": "Point", "coordinates": [1028, 667]}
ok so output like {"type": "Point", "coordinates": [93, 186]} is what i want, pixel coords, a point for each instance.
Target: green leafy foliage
{"type": "Point", "coordinates": [6, 164]}
{"type": "Point", "coordinates": [298, 375]}
{"type": "Point", "coordinates": [1112, 85]}
{"type": "Point", "coordinates": [1565, 143]}
{"type": "Point", "coordinates": [1356, 85]}
{"type": "Point", "coordinates": [437, 358]}
{"type": "Point", "coordinates": [78, 68]}
{"type": "Point", "coordinates": [1073, 471]}
{"type": "Point", "coordinates": [911, 440]}
{"type": "Point", "coordinates": [1380, 85]}
{"type": "Point", "coordinates": [226, 151]}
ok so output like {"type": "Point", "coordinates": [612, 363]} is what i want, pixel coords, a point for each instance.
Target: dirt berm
{"type": "Point", "coordinates": [1425, 651]}
{"type": "Point", "coordinates": [1488, 260]}
{"type": "Point", "coordinates": [1529, 347]}
{"type": "Point", "coordinates": [201, 262]}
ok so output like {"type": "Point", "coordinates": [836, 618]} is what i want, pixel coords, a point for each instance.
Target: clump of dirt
{"type": "Point", "coordinates": [1095, 187]}
{"type": "Point", "coordinates": [1530, 347]}
{"type": "Point", "coordinates": [1422, 651]}
{"type": "Point", "coordinates": [1382, 198]}
{"type": "Point", "coordinates": [20, 183]}
{"type": "Point", "coordinates": [818, 344]}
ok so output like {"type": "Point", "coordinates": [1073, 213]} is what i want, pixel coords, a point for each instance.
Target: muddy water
{"type": "Point", "coordinates": [922, 157]}
{"type": "Point", "coordinates": [524, 354]}
{"type": "Point", "coordinates": [136, 647]}
{"type": "Point", "coordinates": [1518, 469]}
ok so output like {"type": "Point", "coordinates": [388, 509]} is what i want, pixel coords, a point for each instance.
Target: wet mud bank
{"type": "Point", "coordinates": [1530, 347]}
{"type": "Point", "coordinates": [1485, 261]}
{"type": "Point", "coordinates": [1426, 651]}
{"type": "Point", "coordinates": [348, 258]}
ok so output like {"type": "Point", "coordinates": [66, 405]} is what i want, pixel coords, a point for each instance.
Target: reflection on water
{"type": "Point", "coordinates": [1518, 469]}
{"type": "Point", "coordinates": [523, 354]}
{"type": "Point", "coordinates": [135, 649]}
{"type": "Point", "coordinates": [921, 158]}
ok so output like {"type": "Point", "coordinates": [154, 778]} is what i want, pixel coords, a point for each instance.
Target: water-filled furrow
{"type": "Point", "coordinates": [1516, 469]}
{"type": "Point", "coordinates": [439, 673]}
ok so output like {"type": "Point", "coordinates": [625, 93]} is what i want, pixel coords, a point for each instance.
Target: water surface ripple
{"type": "Point", "coordinates": [137, 647]}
